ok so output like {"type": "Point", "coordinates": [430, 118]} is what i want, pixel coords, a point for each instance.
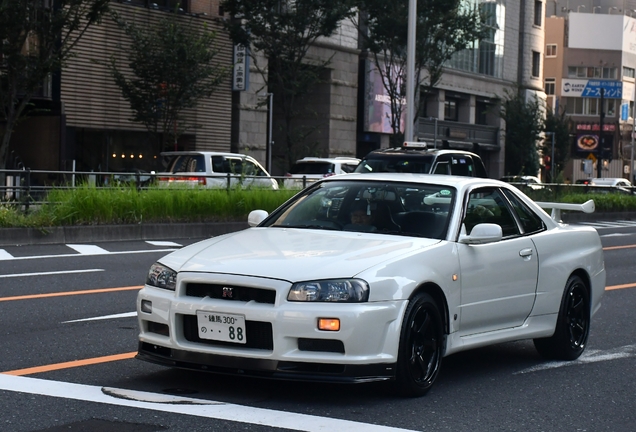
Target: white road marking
{"type": "Point", "coordinates": [105, 253]}
{"type": "Point", "coordinates": [592, 356]}
{"type": "Point", "coordinates": [104, 317]}
{"type": "Point", "coordinates": [186, 406]}
{"type": "Point", "coordinates": [4, 255]}
{"type": "Point", "coordinates": [85, 249]}
{"type": "Point", "coordinates": [163, 243]}
{"type": "Point", "coordinates": [51, 273]}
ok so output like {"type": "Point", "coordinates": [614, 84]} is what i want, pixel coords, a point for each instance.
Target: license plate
{"type": "Point", "coordinates": [221, 327]}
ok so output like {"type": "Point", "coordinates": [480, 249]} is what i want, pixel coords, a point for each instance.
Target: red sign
{"type": "Point", "coordinates": [607, 127]}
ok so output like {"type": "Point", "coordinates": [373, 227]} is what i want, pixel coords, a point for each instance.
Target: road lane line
{"type": "Point", "coordinates": [187, 406]}
{"type": "Point", "coordinates": [592, 356]}
{"type": "Point", "coordinates": [51, 273]}
{"type": "Point", "coordinates": [4, 255]}
{"type": "Point", "coordinates": [619, 247]}
{"type": "Point", "coordinates": [104, 317]}
{"type": "Point", "coordinates": [69, 293]}
{"type": "Point", "coordinates": [71, 364]}
{"type": "Point", "coordinates": [85, 249]}
{"type": "Point", "coordinates": [75, 255]}
{"type": "Point", "coordinates": [615, 287]}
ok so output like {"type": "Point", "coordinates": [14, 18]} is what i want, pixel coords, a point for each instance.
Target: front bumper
{"type": "Point", "coordinates": [283, 340]}
{"type": "Point", "coordinates": [264, 368]}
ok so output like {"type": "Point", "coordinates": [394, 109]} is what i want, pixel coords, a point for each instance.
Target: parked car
{"type": "Point", "coordinates": [531, 182]}
{"type": "Point", "coordinates": [214, 170]}
{"type": "Point", "coordinates": [311, 169]}
{"type": "Point", "coordinates": [424, 161]}
{"type": "Point", "coordinates": [612, 184]}
{"type": "Point", "coordinates": [309, 293]}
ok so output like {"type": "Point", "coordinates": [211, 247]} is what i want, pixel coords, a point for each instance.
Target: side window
{"type": "Point", "coordinates": [442, 168]}
{"type": "Point", "coordinates": [488, 205]}
{"type": "Point", "coordinates": [251, 169]}
{"type": "Point", "coordinates": [218, 165]}
{"type": "Point", "coordinates": [348, 168]}
{"type": "Point", "coordinates": [462, 166]}
{"type": "Point", "coordinates": [530, 221]}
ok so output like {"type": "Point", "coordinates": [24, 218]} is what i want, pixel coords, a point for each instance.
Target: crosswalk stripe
{"type": "Point", "coordinates": [4, 255]}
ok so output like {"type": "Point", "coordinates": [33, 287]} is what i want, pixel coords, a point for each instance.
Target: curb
{"type": "Point", "coordinates": [106, 233]}
{"type": "Point", "coordinates": [169, 231]}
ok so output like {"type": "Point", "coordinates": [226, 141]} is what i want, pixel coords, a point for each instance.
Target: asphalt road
{"type": "Point", "coordinates": [66, 363]}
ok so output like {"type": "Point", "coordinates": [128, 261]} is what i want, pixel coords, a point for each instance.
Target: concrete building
{"type": "Point", "coordinates": [588, 54]}
{"type": "Point", "coordinates": [88, 126]}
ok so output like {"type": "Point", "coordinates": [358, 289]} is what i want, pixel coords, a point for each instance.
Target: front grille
{"type": "Point", "coordinates": [157, 328]}
{"type": "Point", "coordinates": [258, 334]}
{"type": "Point", "coordinates": [227, 292]}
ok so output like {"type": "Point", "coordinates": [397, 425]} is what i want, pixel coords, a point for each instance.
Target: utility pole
{"type": "Point", "coordinates": [601, 144]}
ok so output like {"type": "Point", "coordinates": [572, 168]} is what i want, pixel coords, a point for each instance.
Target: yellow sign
{"type": "Point", "coordinates": [592, 157]}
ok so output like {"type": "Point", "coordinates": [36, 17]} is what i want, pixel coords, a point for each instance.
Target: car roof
{"type": "Point", "coordinates": [332, 160]}
{"type": "Point", "coordinates": [204, 153]}
{"type": "Point", "coordinates": [416, 151]}
{"type": "Point", "coordinates": [436, 179]}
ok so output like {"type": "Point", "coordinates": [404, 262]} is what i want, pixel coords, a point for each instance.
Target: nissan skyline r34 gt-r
{"type": "Point", "coordinates": [441, 264]}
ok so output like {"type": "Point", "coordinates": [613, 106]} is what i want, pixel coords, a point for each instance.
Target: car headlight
{"type": "Point", "coordinates": [337, 290]}
{"type": "Point", "coordinates": [161, 276]}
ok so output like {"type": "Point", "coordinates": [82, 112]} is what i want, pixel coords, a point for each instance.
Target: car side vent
{"type": "Point", "coordinates": [229, 292]}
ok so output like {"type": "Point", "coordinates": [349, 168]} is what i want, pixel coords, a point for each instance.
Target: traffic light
{"type": "Point", "coordinates": [547, 163]}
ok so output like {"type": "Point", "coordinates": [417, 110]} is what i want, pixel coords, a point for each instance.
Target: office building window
{"type": "Point", "coordinates": [551, 50]}
{"type": "Point", "coordinates": [536, 64]}
{"type": "Point", "coordinates": [592, 72]}
{"type": "Point", "coordinates": [450, 110]}
{"type": "Point", "coordinates": [628, 72]}
{"type": "Point", "coordinates": [590, 106]}
{"type": "Point", "coordinates": [550, 84]}
{"type": "Point", "coordinates": [538, 12]}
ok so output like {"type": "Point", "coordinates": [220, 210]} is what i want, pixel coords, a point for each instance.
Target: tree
{"type": "Point", "coordinates": [524, 124]}
{"type": "Point", "coordinates": [558, 125]}
{"type": "Point", "coordinates": [443, 28]}
{"type": "Point", "coordinates": [282, 31]}
{"type": "Point", "coordinates": [174, 66]}
{"type": "Point", "coordinates": [36, 39]}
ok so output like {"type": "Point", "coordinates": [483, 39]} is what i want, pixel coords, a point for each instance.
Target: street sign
{"type": "Point", "coordinates": [592, 157]}
{"type": "Point", "coordinates": [624, 111]}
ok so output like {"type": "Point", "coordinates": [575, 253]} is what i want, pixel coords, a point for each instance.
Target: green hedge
{"type": "Point", "coordinates": [88, 205]}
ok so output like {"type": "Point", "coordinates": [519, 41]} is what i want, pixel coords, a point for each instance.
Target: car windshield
{"type": "Point", "coordinates": [401, 208]}
{"type": "Point", "coordinates": [397, 163]}
{"type": "Point", "coordinates": [312, 168]}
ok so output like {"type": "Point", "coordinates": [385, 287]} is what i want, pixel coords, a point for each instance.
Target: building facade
{"type": "Point", "coordinates": [589, 75]}
{"type": "Point", "coordinates": [88, 124]}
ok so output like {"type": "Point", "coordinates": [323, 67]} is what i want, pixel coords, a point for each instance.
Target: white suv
{"type": "Point", "coordinates": [311, 169]}
{"type": "Point", "coordinates": [214, 170]}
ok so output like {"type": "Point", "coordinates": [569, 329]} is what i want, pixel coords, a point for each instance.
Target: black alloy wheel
{"type": "Point", "coordinates": [573, 324]}
{"type": "Point", "coordinates": [421, 347]}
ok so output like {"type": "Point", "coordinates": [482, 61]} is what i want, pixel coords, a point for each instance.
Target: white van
{"type": "Point", "coordinates": [214, 170]}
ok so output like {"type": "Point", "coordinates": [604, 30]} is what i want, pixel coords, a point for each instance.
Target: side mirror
{"type": "Point", "coordinates": [481, 234]}
{"type": "Point", "coordinates": [256, 217]}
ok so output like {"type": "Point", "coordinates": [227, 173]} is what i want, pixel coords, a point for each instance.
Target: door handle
{"type": "Point", "coordinates": [525, 253]}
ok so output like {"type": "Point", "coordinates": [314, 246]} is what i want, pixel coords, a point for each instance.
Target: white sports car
{"type": "Point", "coordinates": [376, 277]}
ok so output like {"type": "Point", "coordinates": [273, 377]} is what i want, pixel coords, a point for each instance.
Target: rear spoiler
{"type": "Point", "coordinates": [586, 207]}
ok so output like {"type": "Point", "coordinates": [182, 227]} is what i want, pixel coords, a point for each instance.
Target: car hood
{"type": "Point", "coordinates": [293, 254]}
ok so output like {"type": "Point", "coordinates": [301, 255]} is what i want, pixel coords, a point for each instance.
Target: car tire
{"type": "Point", "coordinates": [573, 324]}
{"type": "Point", "coordinates": [421, 347]}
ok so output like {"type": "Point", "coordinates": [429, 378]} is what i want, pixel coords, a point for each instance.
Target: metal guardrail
{"type": "Point", "coordinates": [27, 187]}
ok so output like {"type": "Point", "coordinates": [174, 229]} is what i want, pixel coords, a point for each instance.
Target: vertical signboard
{"type": "Point", "coordinates": [240, 73]}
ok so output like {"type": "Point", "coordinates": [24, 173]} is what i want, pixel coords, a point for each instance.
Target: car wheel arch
{"type": "Point", "coordinates": [437, 294]}
{"type": "Point", "coordinates": [585, 277]}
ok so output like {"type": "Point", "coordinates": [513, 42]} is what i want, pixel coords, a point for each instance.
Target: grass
{"type": "Point", "coordinates": [89, 205]}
